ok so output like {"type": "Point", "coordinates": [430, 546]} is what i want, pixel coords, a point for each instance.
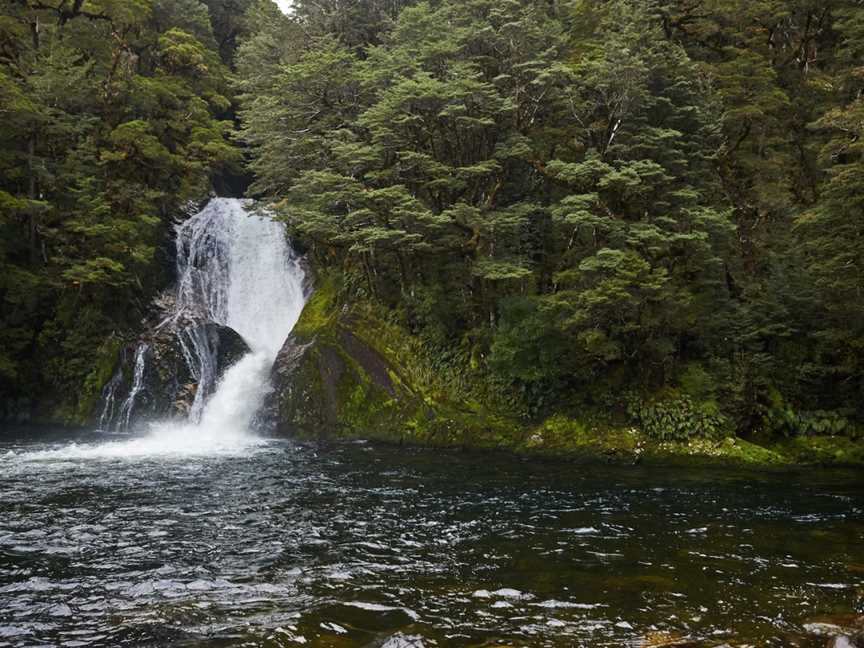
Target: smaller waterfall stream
{"type": "Point", "coordinates": [235, 269]}
{"type": "Point", "coordinates": [128, 406]}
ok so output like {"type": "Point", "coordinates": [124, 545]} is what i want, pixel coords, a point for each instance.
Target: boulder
{"type": "Point", "coordinates": [160, 374]}
{"type": "Point", "coordinates": [346, 373]}
{"type": "Point", "coordinates": [399, 640]}
{"type": "Point", "coordinates": [177, 352]}
{"type": "Point", "coordinates": [329, 381]}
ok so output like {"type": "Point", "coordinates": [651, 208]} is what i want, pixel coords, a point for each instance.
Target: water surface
{"type": "Point", "coordinates": [271, 543]}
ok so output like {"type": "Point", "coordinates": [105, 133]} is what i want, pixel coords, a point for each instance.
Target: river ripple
{"type": "Point", "coordinates": [281, 544]}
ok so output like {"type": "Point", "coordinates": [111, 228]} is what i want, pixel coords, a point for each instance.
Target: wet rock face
{"type": "Point", "coordinates": [158, 376]}
{"type": "Point", "coordinates": [172, 384]}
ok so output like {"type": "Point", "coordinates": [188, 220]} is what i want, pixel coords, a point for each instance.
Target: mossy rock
{"type": "Point", "coordinates": [109, 356]}
{"type": "Point", "coordinates": [339, 385]}
{"type": "Point", "coordinates": [338, 375]}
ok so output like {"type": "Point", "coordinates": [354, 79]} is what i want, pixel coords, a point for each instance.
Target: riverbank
{"type": "Point", "coordinates": [348, 373]}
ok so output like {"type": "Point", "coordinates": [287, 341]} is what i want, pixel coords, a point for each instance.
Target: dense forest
{"type": "Point", "coordinates": [651, 207]}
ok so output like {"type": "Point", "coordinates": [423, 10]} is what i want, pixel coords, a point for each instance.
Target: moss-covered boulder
{"type": "Point", "coordinates": [344, 372]}
{"type": "Point", "coordinates": [331, 381]}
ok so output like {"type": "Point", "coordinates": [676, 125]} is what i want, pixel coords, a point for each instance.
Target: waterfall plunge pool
{"type": "Point", "coordinates": [271, 543]}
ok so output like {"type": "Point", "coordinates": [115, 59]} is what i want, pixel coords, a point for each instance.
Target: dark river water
{"type": "Point", "coordinates": [279, 544]}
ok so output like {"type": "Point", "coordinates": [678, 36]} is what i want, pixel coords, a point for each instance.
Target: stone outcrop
{"type": "Point", "coordinates": [159, 370]}
{"type": "Point", "coordinates": [329, 380]}
{"type": "Point", "coordinates": [171, 384]}
{"type": "Point", "coordinates": [346, 372]}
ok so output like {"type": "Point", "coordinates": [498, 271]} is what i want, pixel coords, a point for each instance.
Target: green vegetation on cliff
{"type": "Point", "coordinates": [347, 372]}
{"type": "Point", "coordinates": [649, 209]}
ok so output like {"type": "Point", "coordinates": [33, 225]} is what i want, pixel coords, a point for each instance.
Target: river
{"type": "Point", "coordinates": [273, 543]}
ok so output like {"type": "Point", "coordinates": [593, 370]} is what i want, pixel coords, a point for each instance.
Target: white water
{"type": "Point", "coordinates": [128, 405]}
{"type": "Point", "coordinates": [237, 270]}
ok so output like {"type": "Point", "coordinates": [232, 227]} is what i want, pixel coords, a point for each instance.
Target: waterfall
{"type": "Point", "coordinates": [253, 283]}
{"type": "Point", "coordinates": [109, 396]}
{"type": "Point", "coordinates": [128, 406]}
{"type": "Point", "coordinates": [238, 270]}
{"type": "Point", "coordinates": [235, 269]}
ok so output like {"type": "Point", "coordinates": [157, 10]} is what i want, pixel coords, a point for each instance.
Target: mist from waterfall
{"type": "Point", "coordinates": [237, 269]}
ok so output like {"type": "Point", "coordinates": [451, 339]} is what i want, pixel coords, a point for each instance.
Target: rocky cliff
{"type": "Point", "coordinates": [343, 373]}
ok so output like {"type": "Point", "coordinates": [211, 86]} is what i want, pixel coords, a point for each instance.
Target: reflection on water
{"type": "Point", "coordinates": [277, 544]}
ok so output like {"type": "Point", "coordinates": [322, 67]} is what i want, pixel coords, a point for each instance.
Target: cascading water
{"type": "Point", "coordinates": [235, 269]}
{"type": "Point", "coordinates": [128, 406]}
{"type": "Point", "coordinates": [109, 398]}
{"type": "Point", "coordinates": [241, 272]}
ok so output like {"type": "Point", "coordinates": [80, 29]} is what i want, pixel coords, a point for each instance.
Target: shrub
{"type": "Point", "coordinates": [677, 417]}
{"type": "Point", "coordinates": [780, 417]}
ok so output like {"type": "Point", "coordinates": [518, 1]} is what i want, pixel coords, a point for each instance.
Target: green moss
{"type": "Point", "coordinates": [729, 449]}
{"type": "Point", "coordinates": [822, 450]}
{"type": "Point", "coordinates": [321, 309]}
{"type": "Point", "coordinates": [448, 385]}
{"type": "Point", "coordinates": [561, 435]}
{"type": "Point", "coordinates": [104, 364]}
{"type": "Point", "coordinates": [364, 404]}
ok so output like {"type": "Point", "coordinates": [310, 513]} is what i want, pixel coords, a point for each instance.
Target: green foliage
{"type": "Point", "coordinates": [697, 383]}
{"type": "Point", "coordinates": [779, 417]}
{"type": "Point", "coordinates": [569, 201]}
{"type": "Point", "coordinates": [106, 359]}
{"type": "Point", "coordinates": [676, 417]}
{"type": "Point", "coordinates": [584, 198]}
{"type": "Point", "coordinates": [528, 346]}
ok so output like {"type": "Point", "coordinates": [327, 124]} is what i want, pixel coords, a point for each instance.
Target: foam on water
{"type": "Point", "coordinates": [162, 440]}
